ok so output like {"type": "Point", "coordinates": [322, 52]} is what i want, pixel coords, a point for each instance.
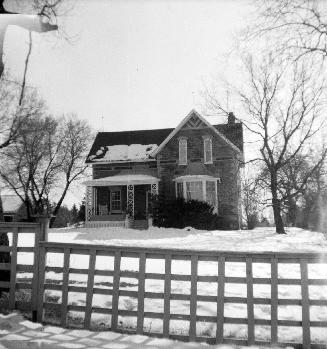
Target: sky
{"type": "Point", "coordinates": [129, 64]}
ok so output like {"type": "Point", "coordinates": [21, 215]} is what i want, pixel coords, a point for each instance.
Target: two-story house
{"type": "Point", "coordinates": [195, 160]}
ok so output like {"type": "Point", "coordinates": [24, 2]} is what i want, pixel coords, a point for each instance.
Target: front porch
{"type": "Point", "coordinates": [120, 201]}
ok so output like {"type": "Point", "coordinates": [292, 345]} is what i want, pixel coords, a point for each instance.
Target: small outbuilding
{"type": "Point", "coordinates": [12, 209]}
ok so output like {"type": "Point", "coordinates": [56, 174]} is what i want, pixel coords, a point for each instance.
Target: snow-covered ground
{"type": "Point", "coordinates": [263, 239]}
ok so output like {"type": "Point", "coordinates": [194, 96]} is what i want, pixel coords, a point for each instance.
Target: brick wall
{"type": "Point", "coordinates": [225, 166]}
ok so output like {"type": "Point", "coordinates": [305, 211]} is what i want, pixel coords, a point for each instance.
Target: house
{"type": "Point", "coordinates": [12, 209]}
{"type": "Point", "coordinates": [195, 160]}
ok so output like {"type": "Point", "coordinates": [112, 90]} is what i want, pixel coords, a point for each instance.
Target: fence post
{"type": "Point", "coordinates": [40, 235]}
{"type": "Point", "coordinates": [13, 270]}
{"type": "Point", "coordinates": [41, 280]}
{"type": "Point", "coordinates": [44, 220]}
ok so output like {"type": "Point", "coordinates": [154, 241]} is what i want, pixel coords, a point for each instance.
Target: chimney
{"type": "Point", "coordinates": [231, 118]}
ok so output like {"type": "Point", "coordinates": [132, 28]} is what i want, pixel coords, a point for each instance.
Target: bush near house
{"type": "Point", "coordinates": [178, 213]}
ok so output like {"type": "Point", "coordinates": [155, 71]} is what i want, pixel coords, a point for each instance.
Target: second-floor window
{"type": "Point", "coordinates": [207, 147]}
{"type": "Point", "coordinates": [182, 151]}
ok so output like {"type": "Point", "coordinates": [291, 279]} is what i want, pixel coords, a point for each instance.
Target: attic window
{"type": "Point", "coordinates": [182, 151]}
{"type": "Point", "coordinates": [207, 149]}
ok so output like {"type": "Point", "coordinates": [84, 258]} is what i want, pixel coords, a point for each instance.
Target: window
{"type": "Point", "coordinates": [211, 194]}
{"type": "Point", "coordinates": [194, 191]}
{"type": "Point", "coordinates": [179, 190]}
{"type": "Point", "coordinates": [183, 151]}
{"type": "Point", "coordinates": [201, 188]}
{"type": "Point", "coordinates": [115, 201]}
{"type": "Point", "coordinates": [207, 147]}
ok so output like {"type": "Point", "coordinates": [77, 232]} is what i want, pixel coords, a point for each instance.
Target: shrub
{"type": "Point", "coordinates": [178, 213]}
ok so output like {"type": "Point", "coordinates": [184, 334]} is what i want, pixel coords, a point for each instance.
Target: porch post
{"type": "Point", "coordinates": [154, 188]}
{"type": "Point", "coordinates": [88, 203]}
{"type": "Point", "coordinates": [130, 200]}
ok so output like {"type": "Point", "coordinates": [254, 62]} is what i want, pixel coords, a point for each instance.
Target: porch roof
{"type": "Point", "coordinates": [123, 179]}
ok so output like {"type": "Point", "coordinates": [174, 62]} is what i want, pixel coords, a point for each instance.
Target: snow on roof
{"type": "Point", "coordinates": [123, 152]}
{"type": "Point", "coordinates": [10, 203]}
{"type": "Point", "coordinates": [122, 180]}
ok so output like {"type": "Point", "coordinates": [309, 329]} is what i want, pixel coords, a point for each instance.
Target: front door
{"type": "Point", "coordinates": [148, 202]}
{"type": "Point", "coordinates": [115, 201]}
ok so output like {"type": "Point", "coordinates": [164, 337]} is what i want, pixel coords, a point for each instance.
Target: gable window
{"type": "Point", "coordinates": [182, 154]}
{"type": "Point", "coordinates": [207, 148]}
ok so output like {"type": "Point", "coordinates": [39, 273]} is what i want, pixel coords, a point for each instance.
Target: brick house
{"type": "Point", "coordinates": [196, 160]}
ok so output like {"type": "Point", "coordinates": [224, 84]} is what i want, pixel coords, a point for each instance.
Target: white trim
{"type": "Point", "coordinates": [188, 116]}
{"type": "Point", "coordinates": [196, 177]}
{"type": "Point", "coordinates": [106, 162]}
{"type": "Point", "coordinates": [122, 180]}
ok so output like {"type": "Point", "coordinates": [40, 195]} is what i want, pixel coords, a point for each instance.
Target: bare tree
{"type": "Point", "coordinates": [13, 114]}
{"type": "Point", "coordinates": [298, 28]}
{"type": "Point", "coordinates": [282, 107]}
{"type": "Point", "coordinates": [76, 141]}
{"type": "Point", "coordinates": [46, 159]}
{"type": "Point", "coordinates": [251, 201]}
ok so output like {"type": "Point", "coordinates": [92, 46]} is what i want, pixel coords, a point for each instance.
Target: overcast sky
{"type": "Point", "coordinates": [130, 64]}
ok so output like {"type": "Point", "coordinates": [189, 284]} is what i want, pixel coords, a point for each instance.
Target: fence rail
{"type": "Point", "coordinates": [144, 256]}
{"type": "Point", "coordinates": [17, 229]}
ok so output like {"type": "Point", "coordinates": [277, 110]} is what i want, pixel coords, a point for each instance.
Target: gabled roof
{"type": "Point", "coordinates": [184, 121]}
{"type": "Point", "coordinates": [231, 134]}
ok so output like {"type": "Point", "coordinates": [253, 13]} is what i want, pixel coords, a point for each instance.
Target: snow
{"type": "Point", "coordinates": [122, 179]}
{"type": "Point", "coordinates": [260, 240]}
{"type": "Point", "coordinates": [124, 152]}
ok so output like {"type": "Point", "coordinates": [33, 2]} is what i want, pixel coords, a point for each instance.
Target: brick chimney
{"type": "Point", "coordinates": [231, 118]}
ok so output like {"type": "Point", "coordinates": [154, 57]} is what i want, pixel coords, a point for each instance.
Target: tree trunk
{"type": "Point", "coordinates": [59, 203]}
{"type": "Point", "coordinates": [276, 206]}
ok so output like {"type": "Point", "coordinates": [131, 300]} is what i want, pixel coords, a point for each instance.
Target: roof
{"type": "Point", "coordinates": [197, 120]}
{"type": "Point", "coordinates": [144, 137]}
{"type": "Point", "coordinates": [232, 132]}
{"type": "Point", "coordinates": [122, 180]}
{"type": "Point", "coordinates": [10, 203]}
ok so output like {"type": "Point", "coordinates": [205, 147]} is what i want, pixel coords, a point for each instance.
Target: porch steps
{"type": "Point", "coordinates": [141, 224]}
{"type": "Point", "coordinates": [101, 224]}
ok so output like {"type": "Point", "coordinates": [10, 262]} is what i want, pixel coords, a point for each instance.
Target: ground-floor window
{"type": "Point", "coordinates": [201, 189]}
{"type": "Point", "coordinates": [194, 191]}
{"type": "Point", "coordinates": [115, 200]}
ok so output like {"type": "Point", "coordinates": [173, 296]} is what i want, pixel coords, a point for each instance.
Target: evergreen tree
{"type": "Point", "coordinates": [81, 212]}
{"type": "Point", "coordinates": [74, 214]}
